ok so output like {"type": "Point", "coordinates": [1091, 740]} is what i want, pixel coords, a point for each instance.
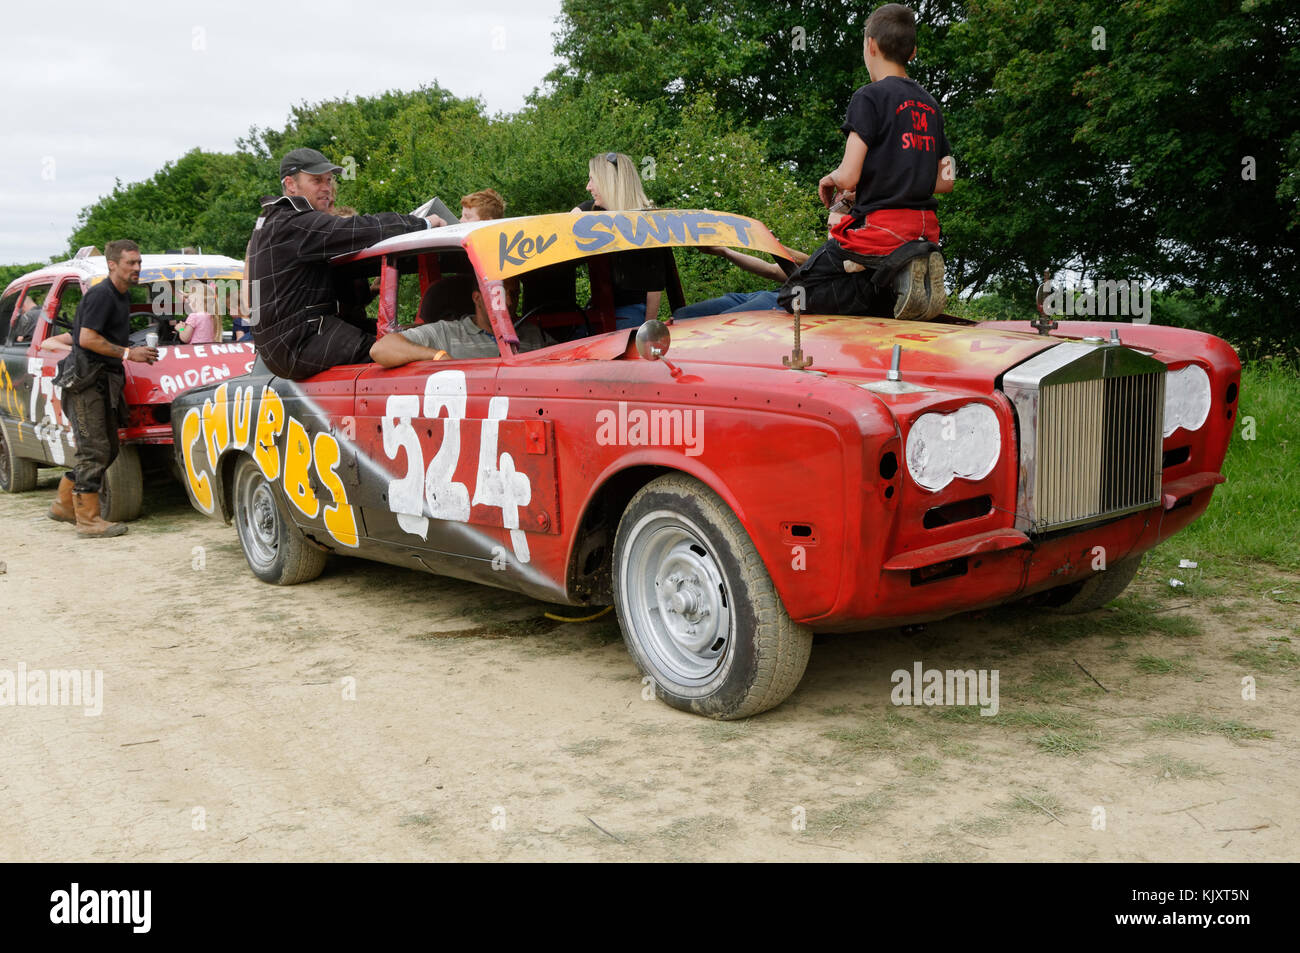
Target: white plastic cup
{"type": "Point", "coordinates": [151, 339]}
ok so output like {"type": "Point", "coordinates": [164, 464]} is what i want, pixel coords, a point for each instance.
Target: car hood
{"type": "Point", "coordinates": [937, 355]}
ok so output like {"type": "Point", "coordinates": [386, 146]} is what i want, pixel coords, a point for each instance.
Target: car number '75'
{"type": "Point", "coordinates": [422, 494]}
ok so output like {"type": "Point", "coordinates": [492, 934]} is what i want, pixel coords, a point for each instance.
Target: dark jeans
{"type": "Point", "coordinates": [94, 417]}
{"type": "Point", "coordinates": [728, 303]}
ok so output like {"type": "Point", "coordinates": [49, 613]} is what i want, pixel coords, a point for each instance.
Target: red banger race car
{"type": "Point", "coordinates": [727, 501]}
{"type": "Point", "coordinates": [35, 432]}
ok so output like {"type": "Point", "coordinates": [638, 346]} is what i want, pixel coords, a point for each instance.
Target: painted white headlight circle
{"type": "Point", "coordinates": [941, 447]}
{"type": "Point", "coordinates": [1187, 398]}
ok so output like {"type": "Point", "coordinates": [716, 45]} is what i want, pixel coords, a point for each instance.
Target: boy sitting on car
{"type": "Point", "coordinates": [896, 159]}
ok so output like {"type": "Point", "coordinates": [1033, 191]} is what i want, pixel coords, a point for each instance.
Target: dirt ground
{"type": "Point", "coordinates": [479, 730]}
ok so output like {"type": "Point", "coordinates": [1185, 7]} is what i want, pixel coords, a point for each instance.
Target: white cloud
{"type": "Point", "coordinates": [113, 92]}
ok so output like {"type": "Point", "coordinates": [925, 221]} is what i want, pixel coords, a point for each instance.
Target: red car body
{"type": "Point", "coordinates": [539, 471]}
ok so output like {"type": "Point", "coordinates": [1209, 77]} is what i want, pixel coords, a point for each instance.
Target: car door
{"type": "Point", "coordinates": [419, 436]}
{"type": "Point", "coordinates": [50, 423]}
{"type": "Point", "coordinates": [13, 366]}
{"type": "Point", "coordinates": [42, 429]}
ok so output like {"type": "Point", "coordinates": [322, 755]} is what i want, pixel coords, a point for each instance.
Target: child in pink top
{"type": "Point", "coordinates": [200, 326]}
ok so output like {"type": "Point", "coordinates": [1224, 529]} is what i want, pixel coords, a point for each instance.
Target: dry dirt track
{"type": "Point", "coordinates": [480, 731]}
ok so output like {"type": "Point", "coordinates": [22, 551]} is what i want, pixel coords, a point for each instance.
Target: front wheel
{"type": "Point", "coordinates": [121, 494]}
{"type": "Point", "coordinates": [275, 549]}
{"type": "Point", "coordinates": [697, 607]}
{"type": "Point", "coordinates": [1095, 591]}
{"type": "Point", "coordinates": [17, 474]}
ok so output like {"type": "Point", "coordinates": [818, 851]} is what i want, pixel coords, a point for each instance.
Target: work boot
{"type": "Point", "coordinates": [89, 523]}
{"type": "Point", "coordinates": [61, 509]}
{"type": "Point", "coordinates": [938, 295]}
{"type": "Point", "coordinates": [910, 285]}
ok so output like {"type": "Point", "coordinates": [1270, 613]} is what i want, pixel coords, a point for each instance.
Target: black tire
{"type": "Point", "coordinates": [121, 495]}
{"type": "Point", "coordinates": [17, 474]}
{"type": "Point", "coordinates": [697, 607]}
{"type": "Point", "coordinates": [1096, 591]}
{"type": "Point", "coordinates": [274, 548]}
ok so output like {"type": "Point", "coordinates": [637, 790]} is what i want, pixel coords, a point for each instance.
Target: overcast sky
{"type": "Point", "coordinates": [98, 91]}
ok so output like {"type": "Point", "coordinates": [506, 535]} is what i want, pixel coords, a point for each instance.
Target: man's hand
{"type": "Point", "coordinates": [435, 221]}
{"type": "Point", "coordinates": [827, 189]}
{"type": "Point", "coordinates": [142, 354]}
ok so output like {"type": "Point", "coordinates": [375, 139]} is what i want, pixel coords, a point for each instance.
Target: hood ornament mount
{"type": "Point", "coordinates": [893, 382]}
{"type": "Point", "coordinates": [795, 359]}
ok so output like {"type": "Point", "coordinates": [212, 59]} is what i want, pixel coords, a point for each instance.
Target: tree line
{"type": "Point", "coordinates": [1137, 141]}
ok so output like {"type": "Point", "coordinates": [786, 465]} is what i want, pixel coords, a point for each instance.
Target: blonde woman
{"type": "Point", "coordinates": [639, 277]}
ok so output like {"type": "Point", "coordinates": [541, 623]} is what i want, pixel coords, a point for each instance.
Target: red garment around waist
{"type": "Point", "coordinates": [886, 229]}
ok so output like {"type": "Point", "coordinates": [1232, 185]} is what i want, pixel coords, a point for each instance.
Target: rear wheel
{"type": "Point", "coordinates": [697, 608]}
{"type": "Point", "coordinates": [121, 495]}
{"type": "Point", "coordinates": [1095, 591]}
{"type": "Point", "coordinates": [17, 474]}
{"type": "Point", "coordinates": [274, 547]}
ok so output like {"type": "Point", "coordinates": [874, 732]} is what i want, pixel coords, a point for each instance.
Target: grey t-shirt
{"type": "Point", "coordinates": [463, 338]}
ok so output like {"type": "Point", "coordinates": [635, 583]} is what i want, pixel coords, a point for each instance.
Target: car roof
{"type": "Point", "coordinates": [502, 248]}
{"type": "Point", "coordinates": [92, 269]}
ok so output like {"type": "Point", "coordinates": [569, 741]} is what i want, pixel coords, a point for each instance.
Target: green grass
{"type": "Point", "coordinates": [1254, 516]}
{"type": "Point", "coordinates": [850, 815]}
{"type": "Point", "coordinates": [1199, 725]}
{"type": "Point", "coordinates": [1156, 665]}
{"type": "Point", "coordinates": [1130, 616]}
{"type": "Point", "coordinates": [1270, 657]}
{"type": "Point", "coordinates": [1064, 732]}
{"type": "Point", "coordinates": [1066, 743]}
{"type": "Point", "coordinates": [1024, 804]}
{"type": "Point", "coordinates": [922, 765]}
{"type": "Point", "coordinates": [1166, 767]}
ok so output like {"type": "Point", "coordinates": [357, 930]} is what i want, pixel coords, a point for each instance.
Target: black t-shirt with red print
{"type": "Point", "coordinates": [903, 129]}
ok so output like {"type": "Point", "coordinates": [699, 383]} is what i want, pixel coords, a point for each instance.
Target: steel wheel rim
{"type": "Point", "coordinates": [259, 521]}
{"type": "Point", "coordinates": [676, 598]}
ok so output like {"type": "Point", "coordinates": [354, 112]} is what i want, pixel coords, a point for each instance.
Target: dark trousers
{"type": "Point", "coordinates": [821, 286]}
{"type": "Point", "coordinates": [316, 345]}
{"type": "Point", "coordinates": [94, 418]}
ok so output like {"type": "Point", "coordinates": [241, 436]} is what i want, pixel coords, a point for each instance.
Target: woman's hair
{"type": "Point", "coordinates": [618, 182]}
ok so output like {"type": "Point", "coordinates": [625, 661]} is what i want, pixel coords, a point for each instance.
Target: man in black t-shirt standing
{"type": "Point", "coordinates": [96, 405]}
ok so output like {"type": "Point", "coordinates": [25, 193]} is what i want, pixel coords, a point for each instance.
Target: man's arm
{"type": "Point", "coordinates": [947, 175]}
{"type": "Point", "coordinates": [846, 175]}
{"type": "Point", "coordinates": [323, 236]}
{"type": "Point", "coordinates": [395, 349]}
{"type": "Point", "coordinates": [92, 340]}
{"type": "Point", "coordinates": [749, 263]}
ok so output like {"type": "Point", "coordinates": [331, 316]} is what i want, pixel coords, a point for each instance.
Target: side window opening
{"type": "Point", "coordinates": [69, 297]}
{"type": "Point", "coordinates": [29, 311]}
{"type": "Point", "coordinates": [8, 315]}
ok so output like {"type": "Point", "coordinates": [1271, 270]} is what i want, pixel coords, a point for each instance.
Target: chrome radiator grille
{"type": "Point", "coordinates": [1090, 421]}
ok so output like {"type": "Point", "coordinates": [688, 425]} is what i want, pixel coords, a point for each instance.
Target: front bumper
{"type": "Point", "coordinates": [996, 567]}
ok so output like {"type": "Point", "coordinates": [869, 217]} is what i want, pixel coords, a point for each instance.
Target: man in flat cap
{"type": "Point", "coordinates": [296, 324]}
